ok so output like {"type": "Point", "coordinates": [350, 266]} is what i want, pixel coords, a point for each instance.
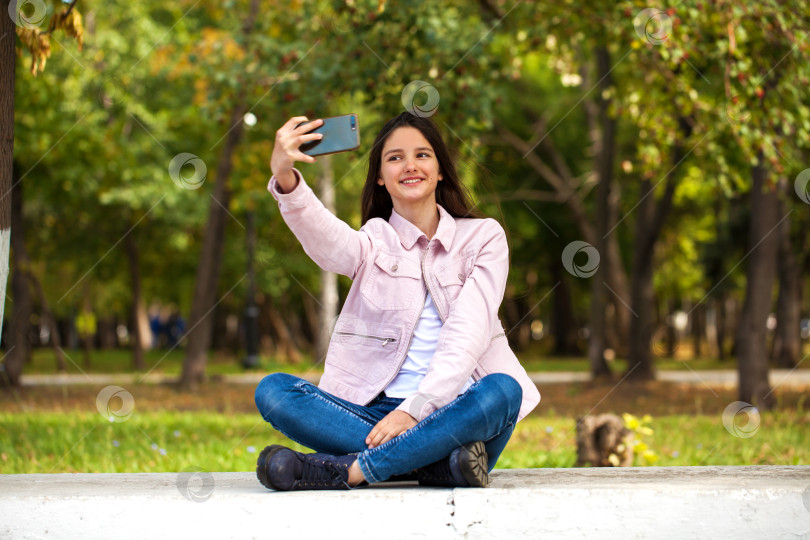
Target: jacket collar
{"type": "Point", "coordinates": [410, 233]}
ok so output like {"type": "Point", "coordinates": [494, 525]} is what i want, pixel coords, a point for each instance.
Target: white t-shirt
{"type": "Point", "coordinates": [423, 345]}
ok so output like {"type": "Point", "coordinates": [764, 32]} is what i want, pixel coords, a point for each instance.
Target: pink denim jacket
{"type": "Point", "coordinates": [392, 265]}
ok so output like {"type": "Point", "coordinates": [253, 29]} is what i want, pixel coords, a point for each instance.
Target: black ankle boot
{"type": "Point", "coordinates": [466, 466]}
{"type": "Point", "coordinates": [283, 469]}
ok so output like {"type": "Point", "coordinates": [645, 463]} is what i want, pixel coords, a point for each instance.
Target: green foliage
{"type": "Point", "coordinates": [96, 131]}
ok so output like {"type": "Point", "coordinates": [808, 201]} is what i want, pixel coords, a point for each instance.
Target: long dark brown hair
{"type": "Point", "coordinates": [451, 194]}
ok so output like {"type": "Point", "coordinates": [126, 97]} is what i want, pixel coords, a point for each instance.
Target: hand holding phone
{"type": "Point", "coordinates": [340, 134]}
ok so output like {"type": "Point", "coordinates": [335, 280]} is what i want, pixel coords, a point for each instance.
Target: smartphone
{"type": "Point", "coordinates": [340, 133]}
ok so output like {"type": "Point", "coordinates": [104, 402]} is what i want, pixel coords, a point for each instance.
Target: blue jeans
{"type": "Point", "coordinates": [486, 412]}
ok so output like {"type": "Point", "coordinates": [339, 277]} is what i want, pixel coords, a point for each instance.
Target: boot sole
{"type": "Point", "coordinates": [474, 467]}
{"type": "Point", "coordinates": [261, 465]}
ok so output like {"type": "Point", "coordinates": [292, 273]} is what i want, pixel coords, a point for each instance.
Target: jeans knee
{"type": "Point", "coordinates": [505, 388]}
{"type": "Point", "coordinates": [271, 390]}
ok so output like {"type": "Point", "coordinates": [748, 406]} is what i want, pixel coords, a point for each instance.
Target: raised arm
{"type": "Point", "coordinates": [330, 242]}
{"type": "Point", "coordinates": [285, 152]}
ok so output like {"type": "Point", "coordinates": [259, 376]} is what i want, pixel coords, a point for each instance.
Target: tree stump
{"type": "Point", "coordinates": [603, 441]}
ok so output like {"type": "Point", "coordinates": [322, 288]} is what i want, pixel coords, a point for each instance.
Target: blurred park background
{"type": "Point", "coordinates": [649, 161]}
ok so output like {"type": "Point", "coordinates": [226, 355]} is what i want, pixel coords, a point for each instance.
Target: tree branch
{"type": "Point", "coordinates": [567, 194]}
{"type": "Point", "coordinates": [490, 9]}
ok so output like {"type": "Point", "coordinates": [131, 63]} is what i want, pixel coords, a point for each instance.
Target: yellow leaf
{"type": "Point", "coordinates": [630, 421]}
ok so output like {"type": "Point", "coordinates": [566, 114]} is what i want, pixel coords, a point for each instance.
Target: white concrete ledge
{"type": "Point", "coordinates": [656, 502]}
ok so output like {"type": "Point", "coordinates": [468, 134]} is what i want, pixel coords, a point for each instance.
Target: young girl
{"type": "Point", "coordinates": [419, 381]}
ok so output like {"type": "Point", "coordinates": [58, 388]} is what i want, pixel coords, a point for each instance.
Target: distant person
{"type": "Point", "coordinates": [175, 327]}
{"type": "Point", "coordinates": [155, 325]}
{"type": "Point", "coordinates": [419, 381]}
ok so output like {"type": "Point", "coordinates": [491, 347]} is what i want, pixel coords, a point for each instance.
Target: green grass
{"type": "Point", "coordinates": [172, 441]}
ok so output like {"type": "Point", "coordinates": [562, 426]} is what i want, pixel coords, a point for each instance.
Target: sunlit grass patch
{"type": "Point", "coordinates": [173, 441]}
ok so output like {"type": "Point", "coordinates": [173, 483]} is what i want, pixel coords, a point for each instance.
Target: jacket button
{"type": "Point", "coordinates": [394, 268]}
{"type": "Point", "coordinates": [461, 276]}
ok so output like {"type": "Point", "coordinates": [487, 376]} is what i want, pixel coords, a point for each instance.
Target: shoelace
{"type": "Point", "coordinates": [319, 472]}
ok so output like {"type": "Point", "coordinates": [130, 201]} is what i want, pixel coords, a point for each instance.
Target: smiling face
{"type": "Point", "coordinates": [409, 169]}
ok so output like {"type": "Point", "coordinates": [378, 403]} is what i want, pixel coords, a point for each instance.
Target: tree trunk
{"type": "Point", "coordinates": [512, 317]}
{"type": "Point", "coordinates": [722, 325]}
{"type": "Point", "coordinates": [639, 363]}
{"type": "Point", "coordinates": [787, 341]}
{"type": "Point", "coordinates": [698, 328]}
{"type": "Point", "coordinates": [603, 441]}
{"type": "Point", "coordinates": [651, 215]}
{"type": "Point", "coordinates": [207, 279]}
{"type": "Point", "coordinates": [751, 347]}
{"type": "Point", "coordinates": [50, 321]}
{"type": "Point", "coordinates": [8, 58]}
{"type": "Point", "coordinates": [267, 342]}
{"type": "Point", "coordinates": [639, 366]}
{"type": "Point", "coordinates": [107, 336]}
{"type": "Point", "coordinates": [138, 363]}
{"type": "Point", "coordinates": [329, 284]}
{"type": "Point", "coordinates": [251, 359]}
{"type": "Point", "coordinates": [616, 277]}
{"type": "Point", "coordinates": [285, 346]}
{"type": "Point", "coordinates": [19, 352]}
{"type": "Point", "coordinates": [671, 334]}
{"type": "Point", "coordinates": [312, 317]}
{"type": "Point", "coordinates": [563, 322]}
{"type": "Point", "coordinates": [604, 168]}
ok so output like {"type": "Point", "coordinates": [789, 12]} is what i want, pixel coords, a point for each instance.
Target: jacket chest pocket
{"type": "Point", "coordinates": [452, 277]}
{"type": "Point", "coordinates": [363, 350]}
{"type": "Point", "coordinates": [393, 283]}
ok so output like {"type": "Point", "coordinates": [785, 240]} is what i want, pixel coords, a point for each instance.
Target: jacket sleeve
{"type": "Point", "coordinates": [469, 327]}
{"type": "Point", "coordinates": [330, 242]}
